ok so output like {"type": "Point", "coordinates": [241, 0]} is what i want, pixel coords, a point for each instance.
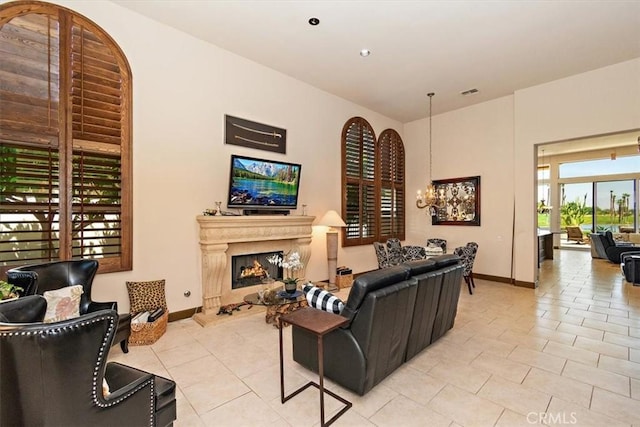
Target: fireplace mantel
{"type": "Point", "coordinates": [224, 236]}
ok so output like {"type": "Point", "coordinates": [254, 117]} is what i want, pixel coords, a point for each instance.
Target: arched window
{"type": "Point", "coordinates": [65, 139]}
{"type": "Point", "coordinates": [392, 196]}
{"type": "Point", "coordinates": [372, 184]}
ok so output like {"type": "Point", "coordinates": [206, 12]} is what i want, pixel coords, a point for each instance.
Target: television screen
{"type": "Point", "coordinates": [258, 183]}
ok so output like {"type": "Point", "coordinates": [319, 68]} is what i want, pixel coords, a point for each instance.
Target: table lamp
{"type": "Point", "coordinates": [332, 219]}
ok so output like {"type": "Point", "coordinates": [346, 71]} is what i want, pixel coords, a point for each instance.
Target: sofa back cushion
{"type": "Point", "coordinates": [370, 282]}
{"type": "Point", "coordinates": [448, 301]}
{"type": "Point", "coordinates": [381, 328]}
{"type": "Point", "coordinates": [424, 311]}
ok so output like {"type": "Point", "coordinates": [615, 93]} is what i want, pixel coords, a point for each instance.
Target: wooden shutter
{"type": "Point", "coordinates": [65, 119]}
{"type": "Point", "coordinates": [359, 182]}
{"type": "Point", "coordinates": [391, 185]}
{"type": "Point", "coordinates": [29, 149]}
{"type": "Point", "coordinates": [99, 114]}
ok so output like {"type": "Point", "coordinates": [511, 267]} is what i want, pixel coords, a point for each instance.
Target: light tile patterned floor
{"type": "Point", "coordinates": [566, 353]}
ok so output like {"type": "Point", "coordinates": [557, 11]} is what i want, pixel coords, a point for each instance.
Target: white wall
{"type": "Point", "coordinates": [497, 140]}
{"type": "Point", "coordinates": [476, 140]}
{"type": "Point", "coordinates": [602, 101]}
{"type": "Point", "coordinates": [182, 88]}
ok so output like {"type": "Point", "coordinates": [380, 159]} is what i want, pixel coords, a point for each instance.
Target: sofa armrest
{"type": "Point", "coordinates": [28, 309]}
{"type": "Point", "coordinates": [97, 306]}
{"type": "Point", "coordinates": [27, 280]}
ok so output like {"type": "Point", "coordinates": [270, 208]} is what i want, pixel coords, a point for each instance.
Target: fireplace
{"type": "Point", "coordinates": [225, 236]}
{"type": "Point", "coordinates": [252, 269]}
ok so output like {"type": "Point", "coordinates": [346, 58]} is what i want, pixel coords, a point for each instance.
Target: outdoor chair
{"type": "Point", "coordinates": [574, 233]}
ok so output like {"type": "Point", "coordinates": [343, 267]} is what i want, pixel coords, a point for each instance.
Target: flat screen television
{"type": "Point", "coordinates": [259, 184]}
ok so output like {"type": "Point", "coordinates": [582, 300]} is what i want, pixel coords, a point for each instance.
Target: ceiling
{"type": "Point", "coordinates": [416, 47]}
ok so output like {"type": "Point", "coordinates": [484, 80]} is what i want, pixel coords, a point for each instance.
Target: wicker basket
{"type": "Point", "coordinates": [148, 333]}
{"type": "Point", "coordinates": [344, 281]}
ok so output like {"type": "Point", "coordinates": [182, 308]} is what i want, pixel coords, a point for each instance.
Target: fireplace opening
{"type": "Point", "coordinates": [253, 269]}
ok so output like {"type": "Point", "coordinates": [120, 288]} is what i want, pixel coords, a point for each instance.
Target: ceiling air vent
{"type": "Point", "coordinates": [469, 92]}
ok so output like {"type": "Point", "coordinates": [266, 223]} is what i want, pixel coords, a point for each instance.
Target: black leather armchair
{"type": "Point", "coordinates": [52, 373]}
{"type": "Point", "coordinates": [612, 250]}
{"type": "Point", "coordinates": [38, 278]}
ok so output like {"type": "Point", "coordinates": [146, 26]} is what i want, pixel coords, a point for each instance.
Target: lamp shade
{"type": "Point", "coordinates": [332, 219]}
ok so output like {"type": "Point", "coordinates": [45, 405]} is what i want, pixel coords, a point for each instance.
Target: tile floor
{"type": "Point", "coordinates": [566, 353]}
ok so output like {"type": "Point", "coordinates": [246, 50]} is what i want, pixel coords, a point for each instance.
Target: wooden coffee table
{"type": "Point", "coordinates": [279, 307]}
{"type": "Point", "coordinates": [319, 323]}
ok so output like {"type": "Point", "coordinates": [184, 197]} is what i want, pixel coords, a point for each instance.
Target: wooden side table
{"type": "Point", "coordinates": [319, 323]}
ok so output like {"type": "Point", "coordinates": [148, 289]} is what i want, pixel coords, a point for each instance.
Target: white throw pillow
{"type": "Point", "coordinates": [63, 303]}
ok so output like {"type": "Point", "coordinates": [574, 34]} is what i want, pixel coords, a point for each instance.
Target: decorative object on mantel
{"type": "Point", "coordinates": [246, 133]}
{"type": "Point", "coordinates": [428, 199]}
{"type": "Point", "coordinates": [290, 263]}
{"type": "Point", "coordinates": [458, 201]}
{"type": "Point", "coordinates": [332, 220]}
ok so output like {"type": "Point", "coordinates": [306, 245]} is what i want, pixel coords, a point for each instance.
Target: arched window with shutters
{"type": "Point", "coordinates": [390, 163]}
{"type": "Point", "coordinates": [65, 139]}
{"type": "Point", "coordinates": [373, 193]}
{"type": "Point", "coordinates": [359, 182]}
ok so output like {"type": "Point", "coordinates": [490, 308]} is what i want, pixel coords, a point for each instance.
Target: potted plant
{"type": "Point", "coordinates": [291, 263]}
{"type": "Point", "coordinates": [8, 291]}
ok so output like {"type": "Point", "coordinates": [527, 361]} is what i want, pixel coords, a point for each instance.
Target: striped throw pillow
{"type": "Point", "coordinates": [322, 300]}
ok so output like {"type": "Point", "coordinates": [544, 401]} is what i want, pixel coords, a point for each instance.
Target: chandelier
{"type": "Point", "coordinates": [429, 198]}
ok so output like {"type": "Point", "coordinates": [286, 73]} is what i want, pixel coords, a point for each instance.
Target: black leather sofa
{"type": "Point", "coordinates": [630, 264]}
{"type": "Point", "coordinates": [394, 313]}
{"type": "Point", "coordinates": [606, 246]}
{"type": "Point", "coordinates": [36, 279]}
{"type": "Point", "coordinates": [51, 373]}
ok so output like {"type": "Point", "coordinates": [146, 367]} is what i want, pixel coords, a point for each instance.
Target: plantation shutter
{"type": "Point", "coordinates": [29, 133]}
{"type": "Point", "coordinates": [97, 116]}
{"type": "Point", "coordinates": [359, 182]}
{"type": "Point", "coordinates": [391, 184]}
{"type": "Point", "coordinates": [65, 177]}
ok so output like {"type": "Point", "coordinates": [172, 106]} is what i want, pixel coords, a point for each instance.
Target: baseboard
{"type": "Point", "coordinates": [183, 314]}
{"type": "Point", "coordinates": [519, 283]}
{"type": "Point", "coordinates": [492, 278]}
{"type": "Point", "coordinates": [523, 284]}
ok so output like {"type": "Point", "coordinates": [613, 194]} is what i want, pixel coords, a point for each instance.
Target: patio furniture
{"type": "Point", "coordinates": [574, 233]}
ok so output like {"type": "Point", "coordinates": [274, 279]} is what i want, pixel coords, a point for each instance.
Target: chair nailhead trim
{"type": "Point", "coordinates": [98, 399]}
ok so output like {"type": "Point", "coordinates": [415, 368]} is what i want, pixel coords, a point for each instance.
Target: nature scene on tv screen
{"type": "Point", "coordinates": [262, 183]}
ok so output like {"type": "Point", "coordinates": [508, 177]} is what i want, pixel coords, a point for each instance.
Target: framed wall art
{"type": "Point", "coordinates": [458, 201]}
{"type": "Point", "coordinates": [246, 133]}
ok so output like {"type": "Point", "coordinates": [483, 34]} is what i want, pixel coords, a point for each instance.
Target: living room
{"type": "Point", "coordinates": [183, 87]}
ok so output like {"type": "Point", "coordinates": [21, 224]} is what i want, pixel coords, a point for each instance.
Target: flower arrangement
{"type": "Point", "coordinates": [290, 263]}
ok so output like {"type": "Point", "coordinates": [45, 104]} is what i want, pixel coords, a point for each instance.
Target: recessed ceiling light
{"type": "Point", "coordinates": [314, 21]}
{"type": "Point", "coordinates": [365, 52]}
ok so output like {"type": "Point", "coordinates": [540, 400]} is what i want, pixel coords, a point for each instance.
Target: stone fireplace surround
{"type": "Point", "coordinates": [222, 237]}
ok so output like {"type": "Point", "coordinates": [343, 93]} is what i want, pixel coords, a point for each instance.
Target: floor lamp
{"type": "Point", "coordinates": [332, 219]}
